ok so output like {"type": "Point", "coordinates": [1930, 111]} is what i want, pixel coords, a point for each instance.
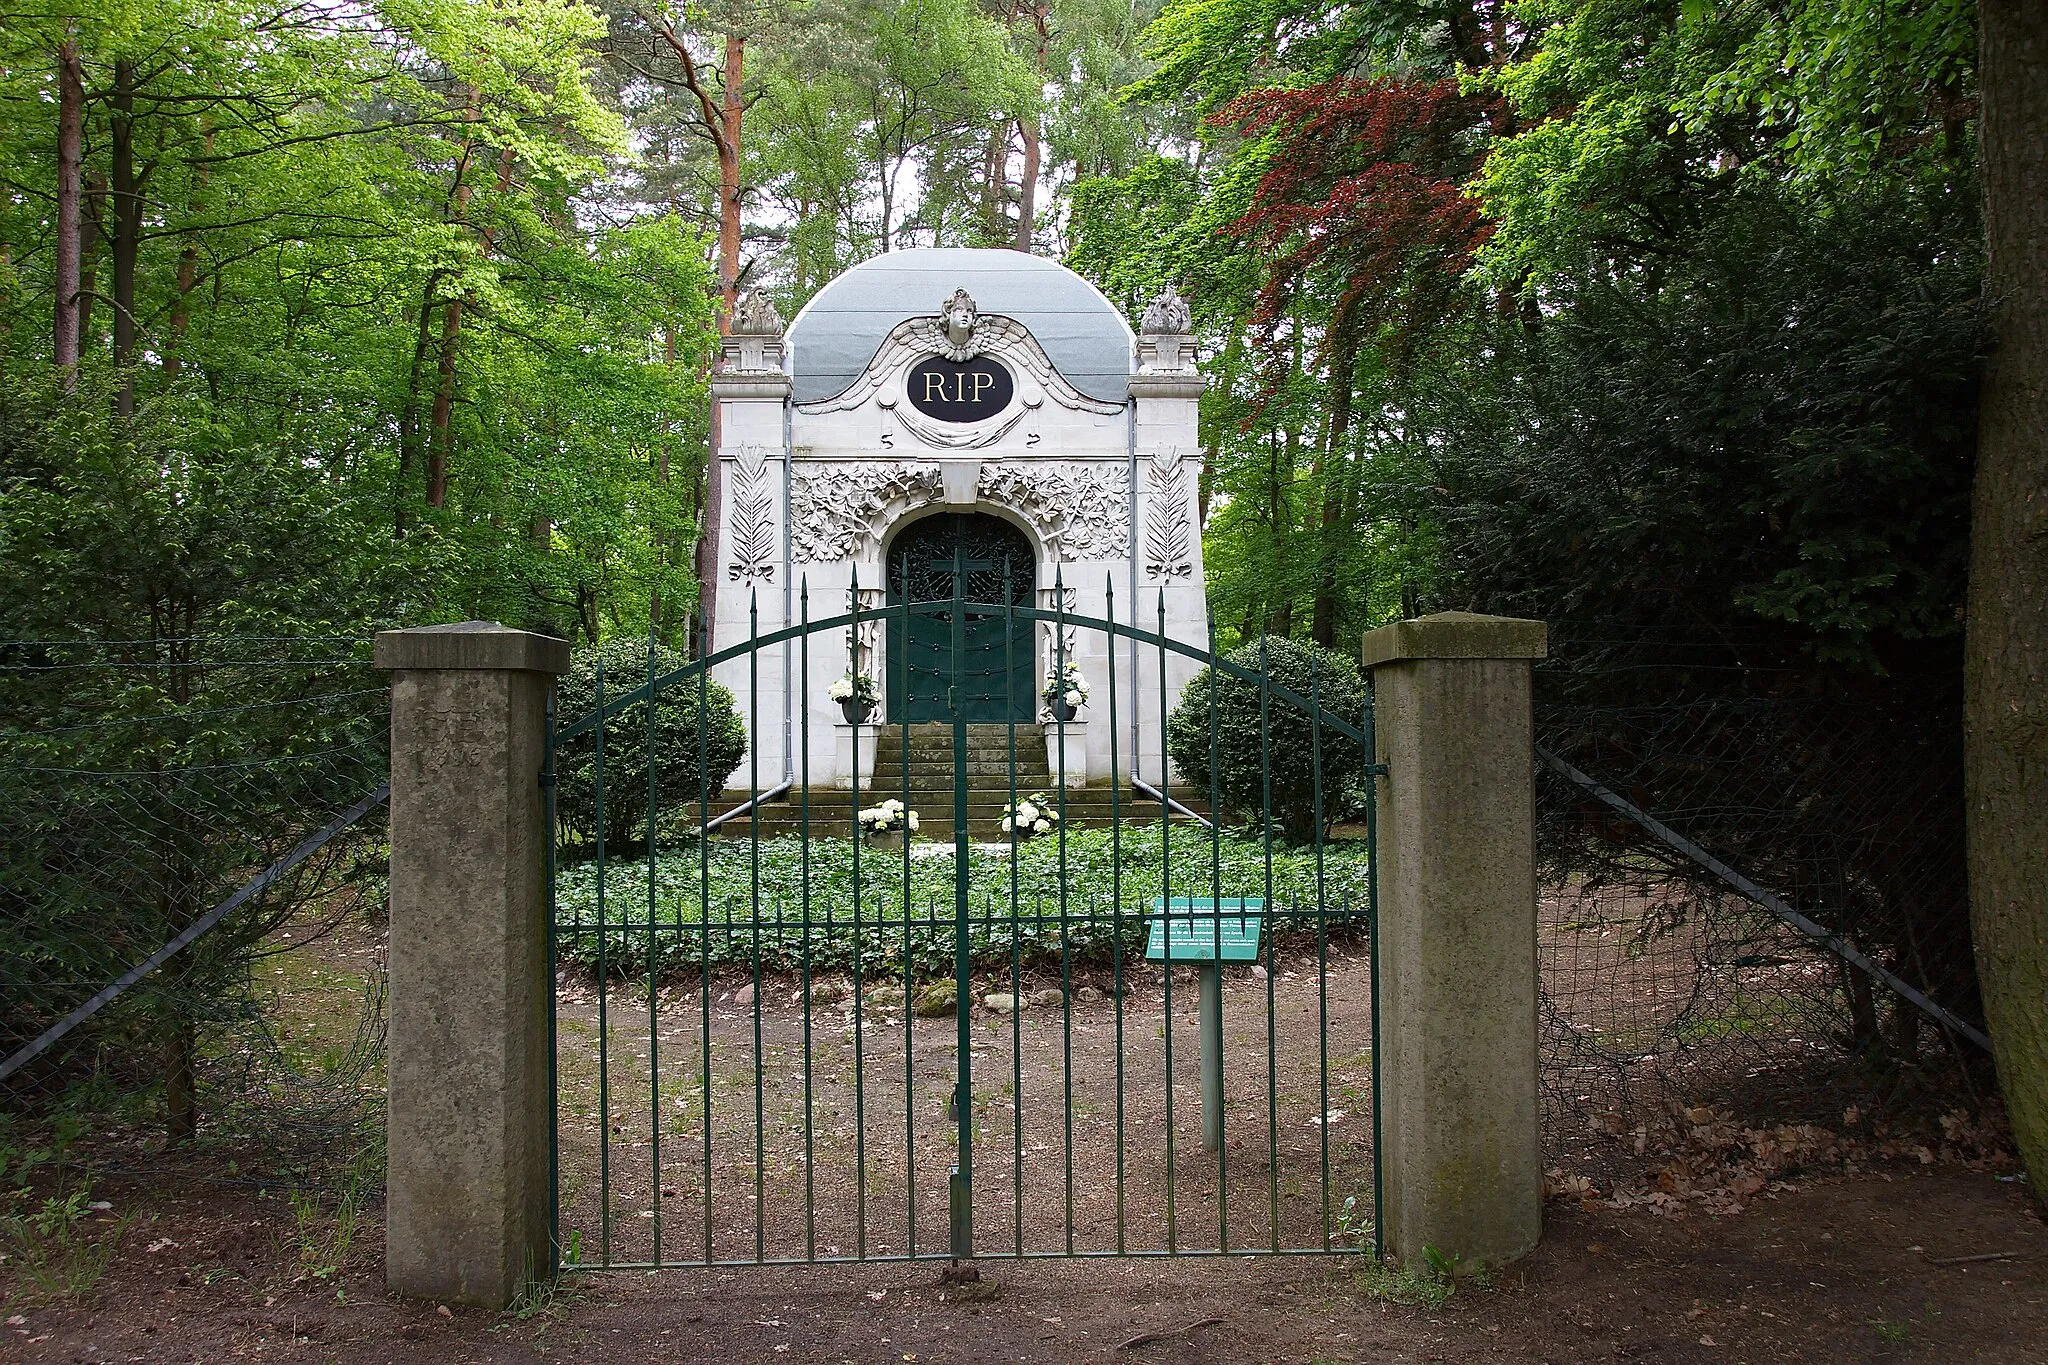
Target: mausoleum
{"type": "Point", "coordinates": [948, 406]}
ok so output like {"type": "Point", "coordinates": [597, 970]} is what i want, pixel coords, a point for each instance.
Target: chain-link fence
{"type": "Point", "coordinates": [176, 816]}
{"type": "Point", "coordinates": [1677, 761]}
{"type": "Point", "coordinates": [145, 786]}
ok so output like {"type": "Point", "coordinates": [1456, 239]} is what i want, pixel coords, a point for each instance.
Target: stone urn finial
{"type": "Point", "coordinates": [753, 344]}
{"type": "Point", "coordinates": [1166, 315]}
{"type": "Point", "coordinates": [1164, 343]}
{"type": "Point", "coordinates": [756, 316]}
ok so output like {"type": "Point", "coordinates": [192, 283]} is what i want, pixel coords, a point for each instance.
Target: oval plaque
{"type": "Point", "coordinates": [959, 390]}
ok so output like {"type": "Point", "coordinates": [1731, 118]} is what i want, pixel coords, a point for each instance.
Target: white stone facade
{"type": "Point", "coordinates": [816, 488]}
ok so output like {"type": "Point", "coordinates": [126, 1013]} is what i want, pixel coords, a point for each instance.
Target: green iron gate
{"type": "Point", "coordinates": [1117, 1028]}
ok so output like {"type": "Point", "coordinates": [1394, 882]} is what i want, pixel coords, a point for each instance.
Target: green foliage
{"type": "Point", "coordinates": [682, 747]}
{"type": "Point", "coordinates": [141, 780]}
{"type": "Point", "coordinates": [875, 111]}
{"type": "Point", "coordinates": [1777, 429]}
{"type": "Point", "coordinates": [1639, 115]}
{"type": "Point", "coordinates": [1264, 745]}
{"type": "Point", "coordinates": [1418, 1287]}
{"type": "Point", "coordinates": [323, 1239]}
{"type": "Point", "coordinates": [61, 1249]}
{"type": "Point", "coordinates": [335, 298]}
{"type": "Point", "coordinates": [819, 880]}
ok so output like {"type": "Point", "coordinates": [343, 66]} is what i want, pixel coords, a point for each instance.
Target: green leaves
{"type": "Point", "coordinates": [1253, 747]}
{"type": "Point", "coordinates": [805, 907]}
{"type": "Point", "coordinates": [1777, 429]}
{"type": "Point", "coordinates": [695, 743]}
{"type": "Point", "coordinates": [360, 227]}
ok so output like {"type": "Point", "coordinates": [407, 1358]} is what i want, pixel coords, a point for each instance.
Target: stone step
{"type": "Point", "coordinates": [930, 828]}
{"type": "Point", "coordinates": [975, 790]}
{"type": "Point", "coordinates": [942, 805]}
{"type": "Point", "coordinates": [996, 774]}
{"type": "Point", "coordinates": [943, 753]}
{"type": "Point", "coordinates": [831, 812]}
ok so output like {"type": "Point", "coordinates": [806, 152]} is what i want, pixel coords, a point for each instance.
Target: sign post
{"type": "Point", "coordinates": [1207, 933]}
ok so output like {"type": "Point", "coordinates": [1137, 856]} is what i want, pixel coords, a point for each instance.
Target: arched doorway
{"type": "Point", "coordinates": [995, 668]}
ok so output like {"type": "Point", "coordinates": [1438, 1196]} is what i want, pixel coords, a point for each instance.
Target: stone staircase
{"type": "Point", "coordinates": [921, 765]}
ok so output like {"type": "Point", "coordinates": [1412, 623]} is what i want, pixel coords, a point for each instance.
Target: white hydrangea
{"type": "Point", "coordinates": [887, 817]}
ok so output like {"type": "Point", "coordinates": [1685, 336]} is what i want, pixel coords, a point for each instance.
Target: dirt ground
{"type": "Point", "coordinates": [1888, 1265]}
{"type": "Point", "coordinates": [1698, 1237]}
{"type": "Point", "coordinates": [1073, 1142]}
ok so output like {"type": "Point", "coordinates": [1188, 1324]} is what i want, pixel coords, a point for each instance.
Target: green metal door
{"type": "Point", "coordinates": [981, 670]}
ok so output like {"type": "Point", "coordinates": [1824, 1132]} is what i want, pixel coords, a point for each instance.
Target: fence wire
{"type": "Point", "coordinates": [1663, 987]}
{"type": "Point", "coordinates": [142, 783]}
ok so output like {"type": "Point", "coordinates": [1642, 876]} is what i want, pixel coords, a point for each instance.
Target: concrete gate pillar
{"type": "Point", "coordinates": [467, 1118]}
{"type": "Point", "coordinates": [1461, 1157]}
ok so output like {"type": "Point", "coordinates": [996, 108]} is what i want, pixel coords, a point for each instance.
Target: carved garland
{"type": "Point", "coordinates": [835, 510]}
{"type": "Point", "coordinates": [1078, 510]}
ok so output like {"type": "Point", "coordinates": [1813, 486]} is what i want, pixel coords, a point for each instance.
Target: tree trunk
{"type": "Point", "coordinates": [188, 271]}
{"type": "Point", "coordinates": [731, 107]}
{"type": "Point", "coordinates": [440, 422]}
{"type": "Point", "coordinates": [1334, 472]}
{"type": "Point", "coordinates": [127, 208]}
{"type": "Point", "coordinates": [1027, 184]}
{"type": "Point", "coordinates": [730, 110]}
{"type": "Point", "coordinates": [409, 416]}
{"type": "Point", "coordinates": [89, 254]}
{"type": "Point", "coordinates": [994, 155]}
{"type": "Point", "coordinates": [441, 430]}
{"type": "Point", "coordinates": [70, 223]}
{"type": "Point", "coordinates": [181, 1106]}
{"type": "Point", "coordinates": [2005, 669]}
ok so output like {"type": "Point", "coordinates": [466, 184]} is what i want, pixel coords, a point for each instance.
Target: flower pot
{"type": "Point", "coordinates": [1063, 712]}
{"type": "Point", "coordinates": [887, 839]}
{"type": "Point", "coordinates": [856, 711]}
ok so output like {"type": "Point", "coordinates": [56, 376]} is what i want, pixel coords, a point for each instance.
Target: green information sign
{"type": "Point", "coordinates": [1205, 930]}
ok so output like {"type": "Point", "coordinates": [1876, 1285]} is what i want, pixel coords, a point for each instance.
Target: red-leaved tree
{"type": "Point", "coordinates": [1364, 233]}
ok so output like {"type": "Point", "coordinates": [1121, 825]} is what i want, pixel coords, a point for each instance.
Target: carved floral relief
{"type": "Point", "coordinates": [1078, 510]}
{"type": "Point", "coordinates": [837, 510]}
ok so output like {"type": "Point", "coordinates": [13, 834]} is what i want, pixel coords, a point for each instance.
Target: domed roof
{"type": "Point", "coordinates": [840, 329]}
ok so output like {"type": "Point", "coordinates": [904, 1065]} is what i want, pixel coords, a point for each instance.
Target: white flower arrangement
{"type": "Point", "coordinates": [1069, 686]}
{"type": "Point", "coordinates": [1032, 815]}
{"type": "Point", "coordinates": [887, 818]}
{"type": "Point", "coordinates": [858, 687]}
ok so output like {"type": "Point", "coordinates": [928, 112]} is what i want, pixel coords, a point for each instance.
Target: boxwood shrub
{"type": "Point", "coordinates": [676, 744]}
{"type": "Point", "coordinates": [1306, 669]}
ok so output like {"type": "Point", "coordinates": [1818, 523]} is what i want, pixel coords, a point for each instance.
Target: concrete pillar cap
{"type": "Point", "coordinates": [471, 645]}
{"type": "Point", "coordinates": [1455, 635]}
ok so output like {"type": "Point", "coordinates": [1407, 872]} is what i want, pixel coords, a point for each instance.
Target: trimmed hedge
{"type": "Point", "coordinates": [1307, 669]}
{"type": "Point", "coordinates": [676, 780]}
